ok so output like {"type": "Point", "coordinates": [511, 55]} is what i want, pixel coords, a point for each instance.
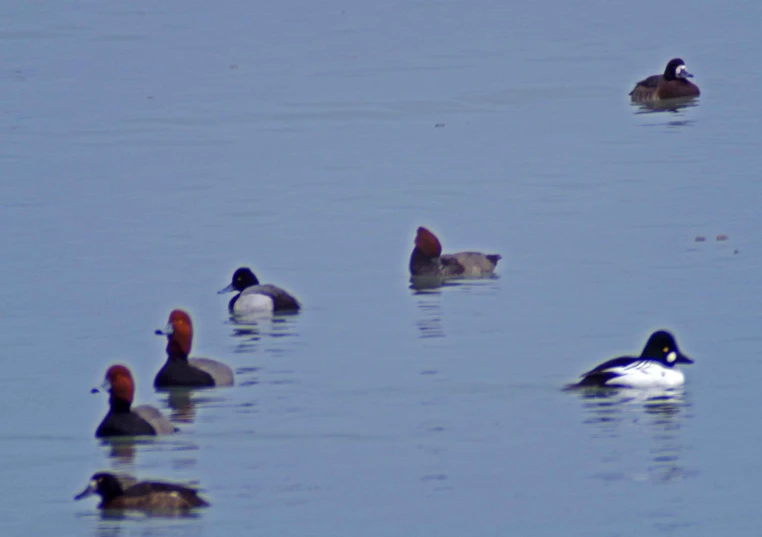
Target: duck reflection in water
{"type": "Point", "coordinates": [122, 449]}
{"type": "Point", "coordinates": [250, 334]}
{"type": "Point", "coordinates": [429, 321]}
{"type": "Point", "coordinates": [181, 402]}
{"type": "Point", "coordinates": [657, 413]}
{"type": "Point", "coordinates": [671, 105]}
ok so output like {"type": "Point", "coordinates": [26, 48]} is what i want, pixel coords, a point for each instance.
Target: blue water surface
{"type": "Point", "coordinates": [149, 149]}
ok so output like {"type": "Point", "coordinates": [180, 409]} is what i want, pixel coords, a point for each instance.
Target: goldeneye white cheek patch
{"type": "Point", "coordinates": [671, 357]}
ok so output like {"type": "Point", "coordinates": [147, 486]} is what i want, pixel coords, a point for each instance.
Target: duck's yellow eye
{"type": "Point", "coordinates": [665, 350]}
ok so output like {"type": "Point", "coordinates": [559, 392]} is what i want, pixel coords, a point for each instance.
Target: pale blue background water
{"type": "Point", "coordinates": [149, 150]}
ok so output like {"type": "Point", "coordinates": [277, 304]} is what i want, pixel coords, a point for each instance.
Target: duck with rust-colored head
{"type": "Point", "coordinates": [122, 419]}
{"type": "Point", "coordinates": [182, 371]}
{"type": "Point", "coordinates": [143, 496]}
{"type": "Point", "coordinates": [672, 84]}
{"type": "Point", "coordinates": [255, 298]}
{"type": "Point", "coordinates": [427, 260]}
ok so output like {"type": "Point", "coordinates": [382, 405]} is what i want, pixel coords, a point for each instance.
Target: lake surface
{"type": "Point", "coordinates": [150, 149]}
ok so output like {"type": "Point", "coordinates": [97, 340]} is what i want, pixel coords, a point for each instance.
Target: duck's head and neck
{"type": "Point", "coordinates": [121, 388]}
{"type": "Point", "coordinates": [106, 485]}
{"type": "Point", "coordinates": [425, 259]}
{"type": "Point", "coordinates": [662, 347]}
{"type": "Point", "coordinates": [179, 332]}
{"type": "Point", "coordinates": [676, 70]}
{"type": "Point", "coordinates": [243, 278]}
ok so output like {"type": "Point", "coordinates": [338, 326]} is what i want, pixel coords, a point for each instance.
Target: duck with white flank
{"type": "Point", "coordinates": [654, 368]}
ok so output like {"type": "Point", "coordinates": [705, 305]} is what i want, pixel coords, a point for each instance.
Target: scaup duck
{"type": "Point", "coordinates": [253, 297]}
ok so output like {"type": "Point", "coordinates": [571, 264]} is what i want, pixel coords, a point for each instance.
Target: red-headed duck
{"type": "Point", "coordinates": [143, 496]}
{"type": "Point", "coordinates": [427, 260]}
{"type": "Point", "coordinates": [179, 370]}
{"type": "Point", "coordinates": [122, 420]}
{"type": "Point", "coordinates": [672, 84]}
{"type": "Point", "coordinates": [253, 298]}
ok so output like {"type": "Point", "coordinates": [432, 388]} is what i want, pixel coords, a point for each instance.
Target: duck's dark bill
{"type": "Point", "coordinates": [228, 289]}
{"type": "Point", "coordinates": [87, 492]}
{"type": "Point", "coordinates": [166, 331]}
{"type": "Point", "coordinates": [683, 359]}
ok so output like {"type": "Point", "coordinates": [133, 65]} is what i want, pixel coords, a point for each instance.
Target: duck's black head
{"type": "Point", "coordinates": [663, 347]}
{"type": "Point", "coordinates": [676, 70]}
{"type": "Point", "coordinates": [243, 278]}
{"type": "Point", "coordinates": [106, 485]}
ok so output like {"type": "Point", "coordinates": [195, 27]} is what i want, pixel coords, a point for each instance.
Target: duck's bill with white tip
{"type": "Point", "coordinates": [92, 488]}
{"type": "Point", "coordinates": [229, 289]}
{"type": "Point", "coordinates": [105, 387]}
{"type": "Point", "coordinates": [166, 331]}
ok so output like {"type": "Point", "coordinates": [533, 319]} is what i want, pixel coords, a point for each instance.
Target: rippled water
{"type": "Point", "coordinates": [149, 150]}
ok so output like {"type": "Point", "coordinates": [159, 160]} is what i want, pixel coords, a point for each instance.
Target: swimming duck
{"type": "Point", "coordinates": [427, 260]}
{"type": "Point", "coordinates": [256, 298]}
{"type": "Point", "coordinates": [144, 496]}
{"type": "Point", "coordinates": [179, 370]}
{"type": "Point", "coordinates": [673, 84]}
{"type": "Point", "coordinates": [654, 368]}
{"type": "Point", "coordinates": [122, 420]}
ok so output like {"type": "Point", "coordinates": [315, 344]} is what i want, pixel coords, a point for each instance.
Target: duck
{"type": "Point", "coordinates": [672, 84]}
{"type": "Point", "coordinates": [654, 368]}
{"type": "Point", "coordinates": [254, 297]}
{"type": "Point", "coordinates": [121, 419]}
{"type": "Point", "coordinates": [144, 495]}
{"type": "Point", "coordinates": [427, 260]}
{"type": "Point", "coordinates": [181, 371]}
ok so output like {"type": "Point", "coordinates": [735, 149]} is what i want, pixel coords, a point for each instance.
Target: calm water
{"type": "Point", "coordinates": [149, 150]}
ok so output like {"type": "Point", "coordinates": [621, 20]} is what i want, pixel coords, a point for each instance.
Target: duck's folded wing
{"type": "Point", "coordinates": [281, 299]}
{"type": "Point", "coordinates": [157, 495]}
{"type": "Point", "coordinates": [646, 88]}
{"type": "Point", "coordinates": [221, 373]}
{"type": "Point", "coordinates": [604, 373]}
{"type": "Point", "coordinates": [650, 82]}
{"type": "Point", "coordinates": [158, 421]}
{"type": "Point", "coordinates": [469, 264]}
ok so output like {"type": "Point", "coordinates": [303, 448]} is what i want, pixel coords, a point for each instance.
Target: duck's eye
{"type": "Point", "coordinates": [665, 350]}
{"type": "Point", "coordinates": [671, 357]}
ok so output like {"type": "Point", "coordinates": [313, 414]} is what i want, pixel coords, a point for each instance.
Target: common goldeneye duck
{"type": "Point", "coordinates": [254, 297]}
{"type": "Point", "coordinates": [144, 496]}
{"type": "Point", "coordinates": [654, 368]}
{"type": "Point", "coordinates": [427, 260]}
{"type": "Point", "coordinates": [122, 420]}
{"type": "Point", "coordinates": [179, 369]}
{"type": "Point", "coordinates": [672, 84]}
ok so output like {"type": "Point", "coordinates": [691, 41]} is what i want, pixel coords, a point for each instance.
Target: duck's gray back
{"type": "Point", "coordinates": [222, 374]}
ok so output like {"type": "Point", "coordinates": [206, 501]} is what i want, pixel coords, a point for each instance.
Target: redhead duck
{"type": "Point", "coordinates": [255, 298]}
{"type": "Point", "coordinates": [122, 420]}
{"type": "Point", "coordinates": [654, 368]}
{"type": "Point", "coordinates": [144, 496]}
{"type": "Point", "coordinates": [673, 84]}
{"type": "Point", "coordinates": [427, 260]}
{"type": "Point", "coordinates": [179, 370]}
